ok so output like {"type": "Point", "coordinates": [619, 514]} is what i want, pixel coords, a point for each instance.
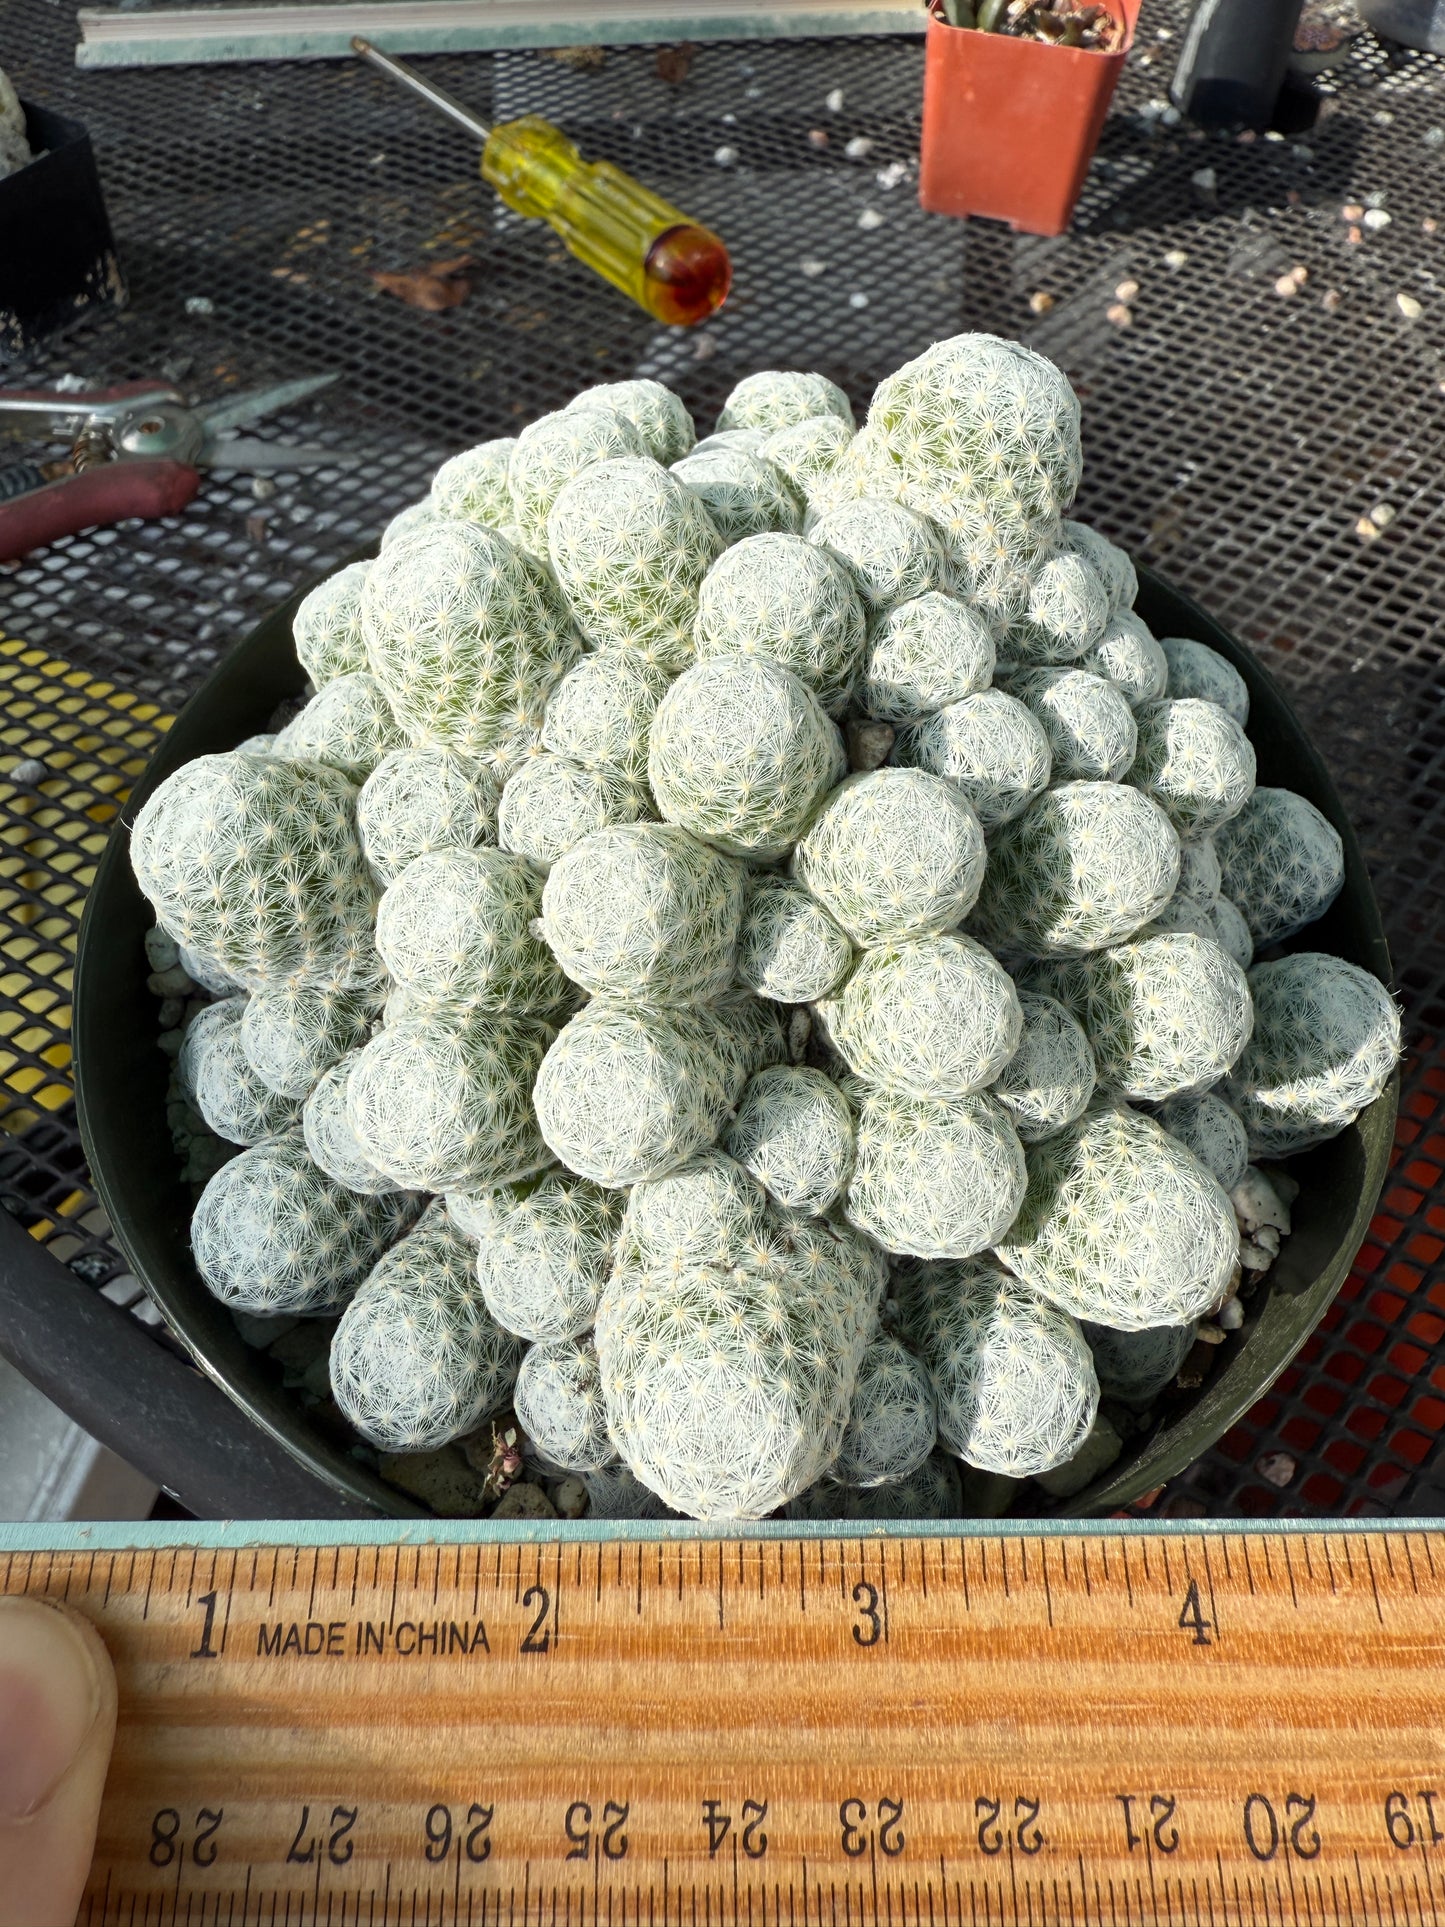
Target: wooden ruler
{"type": "Point", "coordinates": [1099, 1727]}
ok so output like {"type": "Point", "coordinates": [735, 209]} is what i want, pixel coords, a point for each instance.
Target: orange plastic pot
{"type": "Point", "coordinates": [1010, 126]}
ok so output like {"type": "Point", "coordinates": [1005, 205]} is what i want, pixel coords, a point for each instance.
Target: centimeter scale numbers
{"type": "Point", "coordinates": [1101, 1729]}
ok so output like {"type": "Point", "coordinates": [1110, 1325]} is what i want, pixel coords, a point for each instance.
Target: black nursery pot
{"type": "Point", "coordinates": [57, 254]}
{"type": "Point", "coordinates": [121, 1087]}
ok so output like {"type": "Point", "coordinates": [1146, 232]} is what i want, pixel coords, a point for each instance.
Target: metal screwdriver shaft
{"type": "Point", "coordinates": [677, 270]}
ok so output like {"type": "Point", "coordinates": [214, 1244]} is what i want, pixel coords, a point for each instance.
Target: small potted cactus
{"type": "Point", "coordinates": [1014, 97]}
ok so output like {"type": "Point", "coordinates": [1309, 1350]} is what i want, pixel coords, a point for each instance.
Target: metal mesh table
{"type": "Point", "coordinates": [1239, 438]}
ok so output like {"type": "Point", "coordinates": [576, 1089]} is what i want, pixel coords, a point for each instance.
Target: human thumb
{"type": "Point", "coordinates": [57, 1722]}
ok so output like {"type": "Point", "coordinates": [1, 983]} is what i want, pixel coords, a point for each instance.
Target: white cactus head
{"type": "Point", "coordinates": [1199, 873]}
{"type": "Point", "coordinates": [472, 486]}
{"type": "Point", "coordinates": [1205, 1125]}
{"type": "Point", "coordinates": [1048, 1081]}
{"type": "Point", "coordinates": [1197, 670]}
{"type": "Point", "coordinates": [774, 399]}
{"type": "Point", "coordinates": [418, 800]}
{"type": "Point", "coordinates": [934, 1177]}
{"type": "Point", "coordinates": [1083, 866]}
{"type": "Point", "coordinates": [1121, 1224]}
{"type": "Point", "coordinates": [292, 1034]}
{"type": "Point", "coordinates": [742, 493]}
{"type": "Point", "coordinates": [892, 554]}
{"type": "Point", "coordinates": [1014, 1379]}
{"type": "Point", "coordinates": [624, 1095]}
{"type": "Point", "coordinates": [807, 451]}
{"type": "Point", "coordinates": [630, 546]}
{"type": "Point", "coordinates": [1128, 656]}
{"type": "Point", "coordinates": [273, 1234]}
{"type": "Point", "coordinates": [789, 948]}
{"type": "Point", "coordinates": [254, 865]}
{"type": "Point", "coordinates": [330, 1138]}
{"type": "Point", "coordinates": [894, 853]}
{"type": "Point", "coordinates": [990, 745]}
{"type": "Point", "coordinates": [727, 1391]}
{"type": "Point", "coordinates": [417, 1360]}
{"type": "Point", "coordinates": [466, 634]}
{"type": "Point", "coordinates": [559, 1405]}
{"type": "Point", "coordinates": [1067, 611]}
{"type": "Point", "coordinates": [443, 1102]}
{"type": "Point", "coordinates": [933, 1016]}
{"type": "Point", "coordinates": [1089, 724]}
{"type": "Point", "coordinates": [709, 1211]}
{"type": "Point", "coordinates": [326, 628]}
{"type": "Point", "coordinates": [551, 803]}
{"type": "Point", "coordinates": [986, 418]}
{"type": "Point", "coordinates": [1230, 931]}
{"type": "Point", "coordinates": [411, 520]}
{"type": "Point", "coordinates": [1195, 762]}
{"type": "Point", "coordinates": [893, 1420]}
{"type": "Point", "coordinates": [922, 655]}
{"type": "Point", "coordinates": [794, 1133]}
{"type": "Point", "coordinates": [742, 754]}
{"type": "Point", "coordinates": [1281, 862]}
{"type": "Point", "coordinates": [1135, 1366]}
{"type": "Point", "coordinates": [1167, 1016]}
{"type": "Point", "coordinates": [544, 1251]}
{"type": "Point", "coordinates": [1110, 563]}
{"type": "Point", "coordinates": [645, 911]}
{"type": "Point", "coordinates": [549, 452]}
{"type": "Point", "coordinates": [790, 602]}
{"type": "Point", "coordinates": [457, 928]}
{"type": "Point", "coordinates": [600, 714]}
{"type": "Point", "coordinates": [658, 416]}
{"type": "Point", "coordinates": [216, 1074]}
{"type": "Point", "coordinates": [613, 1493]}
{"type": "Point", "coordinates": [1326, 1041]}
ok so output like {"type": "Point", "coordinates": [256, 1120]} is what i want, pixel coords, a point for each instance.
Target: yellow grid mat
{"type": "Point", "coordinates": [93, 741]}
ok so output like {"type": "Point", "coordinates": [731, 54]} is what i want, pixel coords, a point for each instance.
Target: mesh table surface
{"type": "Point", "coordinates": [1238, 439]}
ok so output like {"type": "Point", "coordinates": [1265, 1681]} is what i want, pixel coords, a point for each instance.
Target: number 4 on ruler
{"type": "Point", "coordinates": [1191, 1616]}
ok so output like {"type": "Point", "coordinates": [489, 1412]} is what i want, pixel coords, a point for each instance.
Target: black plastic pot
{"type": "Point", "coordinates": [121, 1086]}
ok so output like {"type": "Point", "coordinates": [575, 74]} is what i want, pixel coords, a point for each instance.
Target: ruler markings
{"type": "Point", "coordinates": [1374, 1587]}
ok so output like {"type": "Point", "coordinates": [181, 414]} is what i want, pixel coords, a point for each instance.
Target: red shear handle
{"type": "Point", "coordinates": [92, 500]}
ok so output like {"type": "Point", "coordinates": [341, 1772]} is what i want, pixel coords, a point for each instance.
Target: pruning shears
{"type": "Point", "coordinates": [136, 450]}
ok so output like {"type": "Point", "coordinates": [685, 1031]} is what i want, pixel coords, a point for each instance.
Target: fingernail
{"type": "Point", "coordinates": [50, 1695]}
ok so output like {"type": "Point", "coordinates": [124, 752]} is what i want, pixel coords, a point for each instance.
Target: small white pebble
{"type": "Point", "coordinates": [1382, 515]}
{"type": "Point", "coordinates": [1375, 218]}
{"type": "Point", "coordinates": [1409, 306]}
{"type": "Point", "coordinates": [1205, 179]}
{"type": "Point", "coordinates": [1040, 302]}
{"type": "Point", "coordinates": [1330, 300]}
{"type": "Point", "coordinates": [870, 218]}
{"type": "Point", "coordinates": [1366, 530]}
{"type": "Point", "coordinates": [834, 102]}
{"type": "Point", "coordinates": [728, 120]}
{"type": "Point", "coordinates": [1126, 291]}
{"type": "Point", "coordinates": [1230, 1315]}
{"type": "Point", "coordinates": [890, 176]}
{"type": "Point", "coordinates": [1274, 135]}
{"type": "Point", "coordinates": [1286, 286]}
{"type": "Point", "coordinates": [200, 304]}
{"type": "Point", "coordinates": [28, 772]}
{"type": "Point", "coordinates": [1433, 136]}
{"type": "Point", "coordinates": [857, 301]}
{"type": "Point", "coordinates": [1121, 316]}
{"type": "Point", "coordinates": [859, 148]}
{"type": "Point", "coordinates": [262, 487]}
{"type": "Point", "coordinates": [725, 156]}
{"type": "Point", "coordinates": [1209, 1335]}
{"type": "Point", "coordinates": [704, 348]}
{"type": "Point", "coordinates": [1175, 259]}
{"type": "Point", "coordinates": [1278, 1467]}
{"type": "Point", "coordinates": [812, 269]}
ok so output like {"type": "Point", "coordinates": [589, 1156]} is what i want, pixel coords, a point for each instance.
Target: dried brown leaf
{"type": "Point", "coordinates": [673, 63]}
{"type": "Point", "coordinates": [436, 286]}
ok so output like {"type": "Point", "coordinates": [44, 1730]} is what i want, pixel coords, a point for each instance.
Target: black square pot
{"type": "Point", "coordinates": [57, 255]}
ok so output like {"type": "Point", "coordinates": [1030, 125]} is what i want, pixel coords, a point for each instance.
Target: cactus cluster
{"type": "Point", "coordinates": [744, 949]}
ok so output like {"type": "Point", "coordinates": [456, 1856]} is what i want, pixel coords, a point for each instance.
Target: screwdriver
{"type": "Point", "coordinates": [665, 262]}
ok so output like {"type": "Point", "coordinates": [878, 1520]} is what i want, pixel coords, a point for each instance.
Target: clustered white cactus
{"type": "Point", "coordinates": [785, 599]}
{"type": "Point", "coordinates": [781, 1124]}
{"type": "Point", "coordinates": [416, 1359]}
{"type": "Point", "coordinates": [419, 800]}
